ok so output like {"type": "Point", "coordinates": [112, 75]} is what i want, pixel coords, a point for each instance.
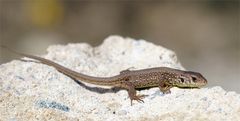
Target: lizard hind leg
{"type": "Point", "coordinates": [133, 94]}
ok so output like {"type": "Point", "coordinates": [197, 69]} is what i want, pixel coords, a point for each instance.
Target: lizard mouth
{"type": "Point", "coordinates": [195, 85]}
{"type": "Point", "coordinates": [189, 87]}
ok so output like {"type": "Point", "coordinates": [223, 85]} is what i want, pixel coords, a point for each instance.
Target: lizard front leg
{"type": "Point", "coordinates": [164, 87]}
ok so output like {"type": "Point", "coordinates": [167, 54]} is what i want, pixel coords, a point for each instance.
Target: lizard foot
{"type": "Point", "coordinates": [138, 98]}
{"type": "Point", "coordinates": [166, 92]}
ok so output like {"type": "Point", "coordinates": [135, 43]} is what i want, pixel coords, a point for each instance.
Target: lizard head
{"type": "Point", "coordinates": [190, 79]}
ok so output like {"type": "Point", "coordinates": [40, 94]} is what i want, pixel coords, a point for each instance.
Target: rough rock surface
{"type": "Point", "coordinates": [34, 91]}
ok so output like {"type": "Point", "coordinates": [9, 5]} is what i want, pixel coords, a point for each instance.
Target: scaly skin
{"type": "Point", "coordinates": [162, 77]}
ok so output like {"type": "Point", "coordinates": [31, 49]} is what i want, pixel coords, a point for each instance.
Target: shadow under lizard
{"type": "Point", "coordinates": [163, 77]}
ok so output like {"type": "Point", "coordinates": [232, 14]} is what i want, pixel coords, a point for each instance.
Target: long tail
{"type": "Point", "coordinates": [105, 81]}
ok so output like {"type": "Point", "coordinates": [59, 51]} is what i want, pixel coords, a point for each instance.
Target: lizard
{"type": "Point", "coordinates": [163, 77]}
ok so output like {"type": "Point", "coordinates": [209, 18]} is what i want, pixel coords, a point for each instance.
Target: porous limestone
{"type": "Point", "coordinates": [34, 91]}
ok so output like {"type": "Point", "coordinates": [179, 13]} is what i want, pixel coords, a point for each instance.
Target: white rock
{"type": "Point", "coordinates": [34, 91]}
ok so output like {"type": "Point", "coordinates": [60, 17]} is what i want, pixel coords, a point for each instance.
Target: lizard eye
{"type": "Point", "coordinates": [182, 80]}
{"type": "Point", "coordinates": [194, 79]}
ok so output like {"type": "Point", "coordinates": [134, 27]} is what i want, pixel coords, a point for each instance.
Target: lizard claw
{"type": "Point", "coordinates": [167, 92]}
{"type": "Point", "coordinates": [138, 98]}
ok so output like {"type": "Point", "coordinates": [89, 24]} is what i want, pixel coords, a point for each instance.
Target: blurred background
{"type": "Point", "coordinates": [205, 34]}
